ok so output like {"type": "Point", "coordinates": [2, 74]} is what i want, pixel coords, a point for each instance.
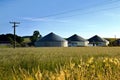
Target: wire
{"type": "Point", "coordinates": [92, 12]}
{"type": "Point", "coordinates": [84, 8]}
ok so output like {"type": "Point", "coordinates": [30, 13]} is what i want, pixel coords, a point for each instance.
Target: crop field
{"type": "Point", "coordinates": [73, 63]}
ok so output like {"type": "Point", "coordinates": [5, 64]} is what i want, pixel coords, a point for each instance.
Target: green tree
{"type": "Point", "coordinates": [10, 38]}
{"type": "Point", "coordinates": [36, 35]}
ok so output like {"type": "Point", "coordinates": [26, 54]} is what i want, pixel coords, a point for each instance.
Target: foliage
{"type": "Point", "coordinates": [111, 41]}
{"type": "Point", "coordinates": [10, 38]}
{"type": "Point", "coordinates": [84, 63]}
{"type": "Point", "coordinates": [36, 35]}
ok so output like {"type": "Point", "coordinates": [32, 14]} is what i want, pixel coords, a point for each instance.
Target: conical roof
{"type": "Point", "coordinates": [52, 37]}
{"type": "Point", "coordinates": [96, 38]}
{"type": "Point", "coordinates": [75, 37]}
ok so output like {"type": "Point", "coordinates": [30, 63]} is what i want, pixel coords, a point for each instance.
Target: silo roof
{"type": "Point", "coordinates": [52, 37]}
{"type": "Point", "coordinates": [96, 38]}
{"type": "Point", "coordinates": [75, 37]}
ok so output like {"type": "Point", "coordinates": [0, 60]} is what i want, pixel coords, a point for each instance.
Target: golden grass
{"type": "Point", "coordinates": [74, 63]}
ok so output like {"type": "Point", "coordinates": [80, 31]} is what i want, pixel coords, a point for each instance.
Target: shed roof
{"type": "Point", "coordinates": [52, 37]}
{"type": "Point", "coordinates": [75, 37]}
{"type": "Point", "coordinates": [96, 38]}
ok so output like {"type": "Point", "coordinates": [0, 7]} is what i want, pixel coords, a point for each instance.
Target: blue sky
{"type": "Point", "coordinates": [63, 17]}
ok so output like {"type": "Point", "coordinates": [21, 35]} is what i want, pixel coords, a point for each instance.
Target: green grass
{"type": "Point", "coordinates": [26, 40]}
{"type": "Point", "coordinates": [51, 63]}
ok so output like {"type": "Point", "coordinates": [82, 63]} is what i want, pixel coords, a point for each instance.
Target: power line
{"type": "Point", "coordinates": [14, 26]}
{"type": "Point", "coordinates": [84, 8]}
{"type": "Point", "coordinates": [105, 9]}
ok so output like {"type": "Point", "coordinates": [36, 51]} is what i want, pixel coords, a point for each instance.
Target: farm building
{"type": "Point", "coordinates": [98, 41]}
{"type": "Point", "coordinates": [51, 40]}
{"type": "Point", "coordinates": [75, 41]}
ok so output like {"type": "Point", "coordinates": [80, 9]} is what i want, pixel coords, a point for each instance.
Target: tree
{"type": "Point", "coordinates": [10, 38]}
{"type": "Point", "coordinates": [18, 38]}
{"type": "Point", "coordinates": [36, 35]}
{"type": "Point", "coordinates": [111, 41]}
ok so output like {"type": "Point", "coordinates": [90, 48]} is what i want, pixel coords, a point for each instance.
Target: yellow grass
{"type": "Point", "coordinates": [74, 63]}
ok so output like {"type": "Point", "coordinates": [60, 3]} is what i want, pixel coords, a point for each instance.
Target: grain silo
{"type": "Point", "coordinates": [98, 41]}
{"type": "Point", "coordinates": [51, 40]}
{"type": "Point", "coordinates": [77, 41]}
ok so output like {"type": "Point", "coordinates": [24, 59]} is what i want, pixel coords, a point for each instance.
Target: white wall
{"type": "Point", "coordinates": [51, 44]}
{"type": "Point", "coordinates": [76, 43]}
{"type": "Point", "coordinates": [100, 44]}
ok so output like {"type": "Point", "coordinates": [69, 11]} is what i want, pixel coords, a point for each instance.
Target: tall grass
{"type": "Point", "coordinates": [84, 63]}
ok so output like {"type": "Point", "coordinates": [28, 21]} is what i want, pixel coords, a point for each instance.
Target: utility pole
{"type": "Point", "coordinates": [115, 37]}
{"type": "Point", "coordinates": [14, 26]}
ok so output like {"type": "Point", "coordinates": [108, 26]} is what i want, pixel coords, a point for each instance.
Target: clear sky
{"type": "Point", "coordinates": [63, 17]}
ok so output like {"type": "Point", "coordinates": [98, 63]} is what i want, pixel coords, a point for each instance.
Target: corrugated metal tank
{"type": "Point", "coordinates": [77, 41]}
{"type": "Point", "coordinates": [51, 40]}
{"type": "Point", "coordinates": [51, 44]}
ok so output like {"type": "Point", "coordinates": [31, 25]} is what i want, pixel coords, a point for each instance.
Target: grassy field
{"type": "Point", "coordinates": [80, 63]}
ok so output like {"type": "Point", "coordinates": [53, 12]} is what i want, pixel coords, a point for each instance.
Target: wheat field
{"type": "Point", "coordinates": [55, 63]}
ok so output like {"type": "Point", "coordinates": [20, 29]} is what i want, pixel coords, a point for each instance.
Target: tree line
{"type": "Point", "coordinates": [9, 38]}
